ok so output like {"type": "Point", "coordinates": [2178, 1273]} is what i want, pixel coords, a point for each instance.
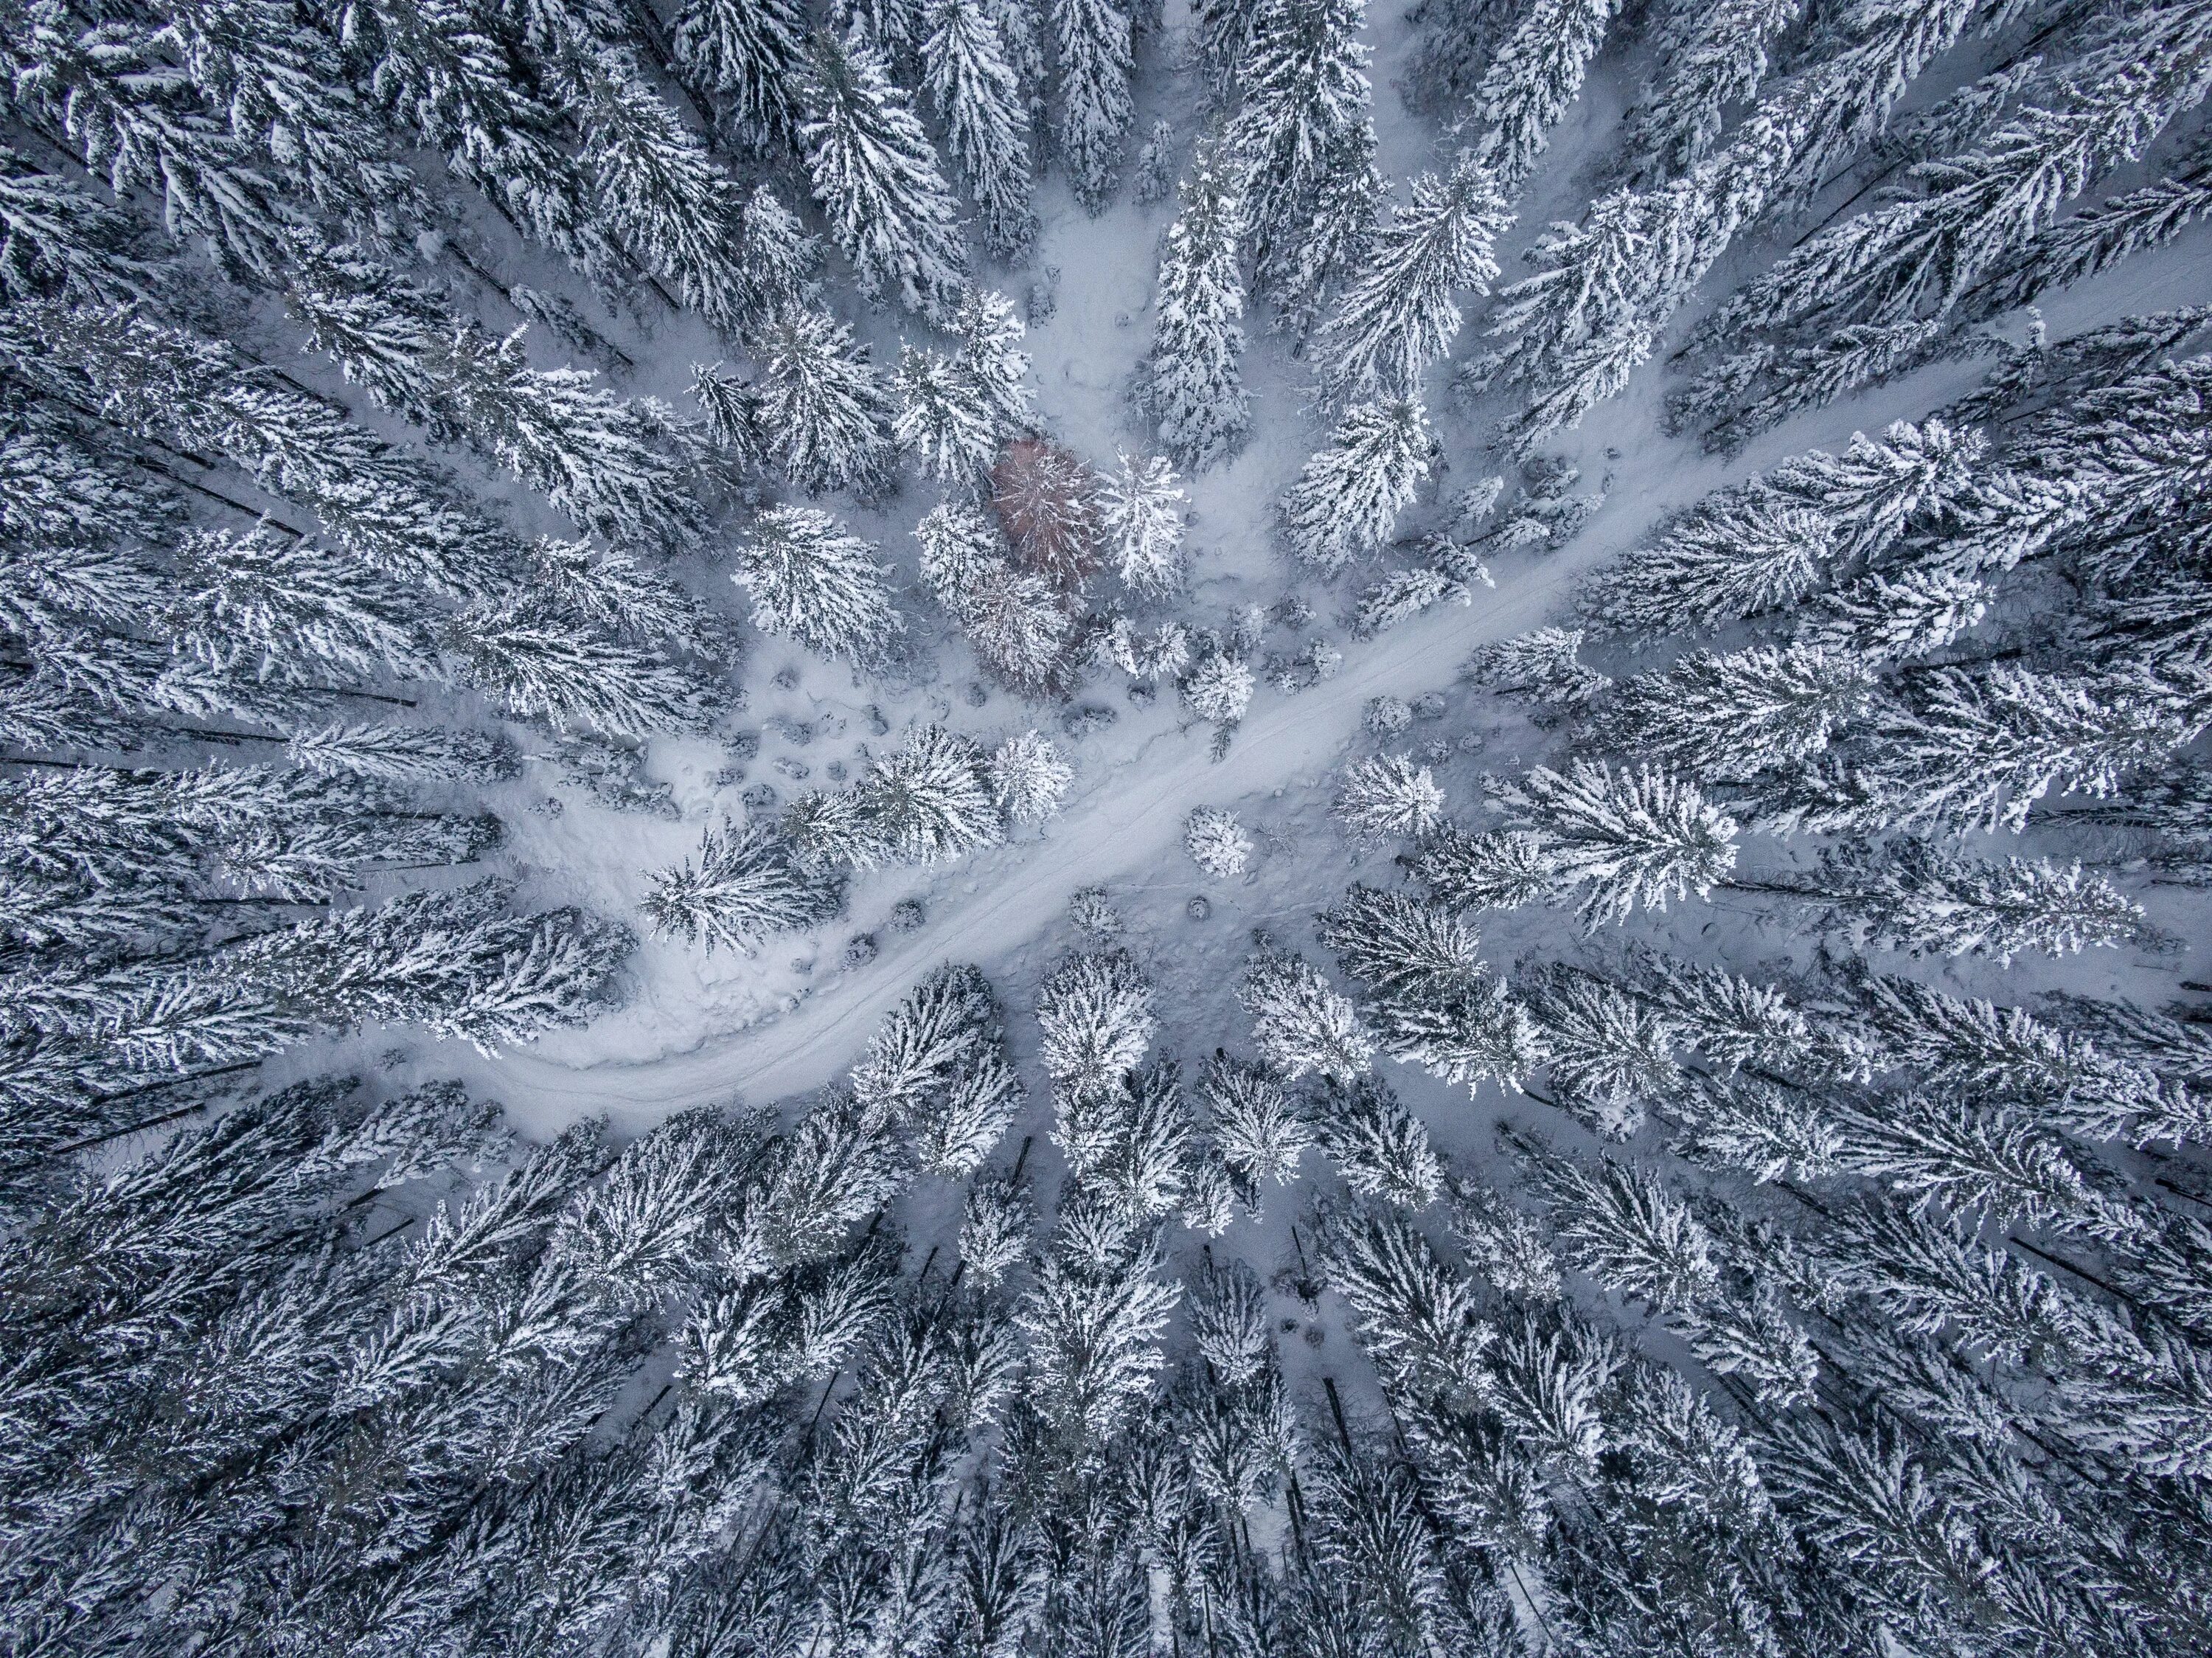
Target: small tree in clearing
{"type": "Point", "coordinates": [746, 884]}
{"type": "Point", "coordinates": [1141, 508]}
{"type": "Point", "coordinates": [1048, 500]}
{"type": "Point", "coordinates": [1218, 689]}
{"type": "Point", "coordinates": [1029, 777]}
{"type": "Point", "coordinates": [1216, 842]}
{"type": "Point", "coordinates": [1389, 795]}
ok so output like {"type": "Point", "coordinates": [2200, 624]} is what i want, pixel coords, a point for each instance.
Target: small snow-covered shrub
{"type": "Point", "coordinates": [1092, 912]}
{"type": "Point", "coordinates": [1216, 842]}
{"type": "Point", "coordinates": [1218, 689]}
{"type": "Point", "coordinates": [1386, 716]}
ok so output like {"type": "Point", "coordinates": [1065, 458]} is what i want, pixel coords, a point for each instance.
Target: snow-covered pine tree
{"type": "Point", "coordinates": [814, 581]}
{"type": "Point", "coordinates": [1216, 843]}
{"type": "Point", "coordinates": [676, 210]}
{"type": "Point", "coordinates": [1095, 1010]}
{"type": "Point", "coordinates": [1401, 312]}
{"type": "Point", "coordinates": [1386, 796]}
{"type": "Point", "coordinates": [1305, 91]}
{"type": "Point", "coordinates": [1979, 750]}
{"type": "Point", "coordinates": [877, 177]}
{"type": "Point", "coordinates": [1029, 777]}
{"type": "Point", "coordinates": [1348, 496]}
{"type": "Point", "coordinates": [1625, 840]}
{"type": "Point", "coordinates": [1712, 60]}
{"type": "Point", "coordinates": [1221, 34]}
{"type": "Point", "coordinates": [1140, 513]}
{"type": "Point", "coordinates": [1095, 49]}
{"type": "Point", "coordinates": [1300, 1026]}
{"type": "Point", "coordinates": [937, 1064]}
{"type": "Point", "coordinates": [978, 97]}
{"type": "Point", "coordinates": [1194, 386]}
{"type": "Point", "coordinates": [824, 411]}
{"type": "Point", "coordinates": [940, 421]}
{"type": "Point", "coordinates": [1535, 73]}
{"type": "Point", "coordinates": [745, 885]}
{"type": "Point", "coordinates": [745, 58]}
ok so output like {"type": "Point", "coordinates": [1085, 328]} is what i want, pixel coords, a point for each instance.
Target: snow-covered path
{"type": "Point", "coordinates": [1126, 819]}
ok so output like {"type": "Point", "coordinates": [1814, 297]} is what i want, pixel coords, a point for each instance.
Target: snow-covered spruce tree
{"type": "Point", "coordinates": [937, 1065]}
{"type": "Point", "coordinates": [1712, 60]}
{"type": "Point", "coordinates": [1428, 996]}
{"type": "Point", "coordinates": [877, 177]}
{"type": "Point", "coordinates": [1303, 130]}
{"type": "Point", "coordinates": [1299, 1025]}
{"type": "Point", "coordinates": [1218, 689]}
{"type": "Point", "coordinates": [1216, 843]}
{"type": "Point", "coordinates": [1029, 777]}
{"type": "Point", "coordinates": [1381, 1148]}
{"type": "Point", "coordinates": [1386, 796]}
{"type": "Point", "coordinates": [1769, 544]}
{"type": "Point", "coordinates": [815, 582]}
{"type": "Point", "coordinates": [1401, 312]}
{"type": "Point", "coordinates": [1095, 1010]}
{"type": "Point", "coordinates": [930, 799]}
{"type": "Point", "coordinates": [744, 58]}
{"type": "Point", "coordinates": [1730, 717]}
{"type": "Point", "coordinates": [1923, 253]}
{"type": "Point", "coordinates": [940, 421]}
{"type": "Point", "coordinates": [978, 96]}
{"type": "Point", "coordinates": [1019, 623]}
{"type": "Point", "coordinates": [1912, 895]}
{"type": "Point", "coordinates": [542, 666]}
{"type": "Point", "coordinates": [1536, 73]}
{"type": "Point", "coordinates": [958, 409]}
{"type": "Point", "coordinates": [1095, 49]}
{"type": "Point", "coordinates": [1348, 495]}
{"type": "Point", "coordinates": [823, 412]}
{"type": "Point", "coordinates": [1193, 384]}
{"type": "Point", "coordinates": [745, 885]}
{"type": "Point", "coordinates": [1258, 1126]}
{"type": "Point", "coordinates": [1603, 290]}
{"type": "Point", "coordinates": [1620, 841]}
{"type": "Point", "coordinates": [995, 1225]}
{"type": "Point", "coordinates": [992, 363]}
{"type": "Point", "coordinates": [1140, 509]}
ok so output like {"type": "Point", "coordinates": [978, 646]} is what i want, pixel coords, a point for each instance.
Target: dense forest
{"type": "Point", "coordinates": [1725, 1177]}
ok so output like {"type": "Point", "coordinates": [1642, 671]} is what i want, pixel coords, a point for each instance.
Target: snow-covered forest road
{"type": "Point", "coordinates": [1122, 819]}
